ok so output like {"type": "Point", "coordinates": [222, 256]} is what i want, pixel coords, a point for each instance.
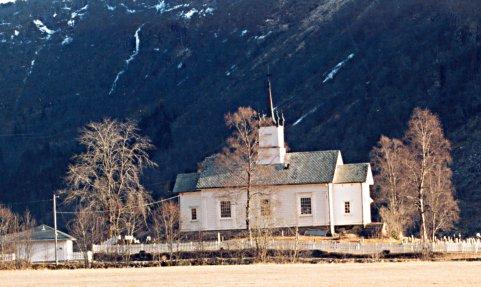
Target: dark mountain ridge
{"type": "Point", "coordinates": [344, 72]}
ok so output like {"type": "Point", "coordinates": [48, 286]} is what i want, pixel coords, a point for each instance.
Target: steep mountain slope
{"type": "Point", "coordinates": [344, 72]}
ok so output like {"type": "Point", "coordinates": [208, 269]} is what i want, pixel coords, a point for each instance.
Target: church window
{"type": "Point", "coordinates": [225, 209]}
{"type": "Point", "coordinates": [306, 206]}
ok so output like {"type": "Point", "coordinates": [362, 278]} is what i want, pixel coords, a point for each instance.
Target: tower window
{"type": "Point", "coordinates": [347, 207]}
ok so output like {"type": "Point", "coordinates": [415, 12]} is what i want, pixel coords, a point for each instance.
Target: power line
{"type": "Point", "coordinates": [105, 211]}
{"type": "Point", "coordinates": [162, 200]}
{"type": "Point", "coordinates": [81, 212]}
{"type": "Point", "coordinates": [26, 202]}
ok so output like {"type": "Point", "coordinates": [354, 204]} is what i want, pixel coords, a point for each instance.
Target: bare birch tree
{"type": "Point", "coordinates": [428, 149]}
{"type": "Point", "coordinates": [442, 209]}
{"type": "Point", "coordinates": [27, 225]}
{"type": "Point", "coordinates": [240, 155]}
{"type": "Point", "coordinates": [240, 158]}
{"type": "Point", "coordinates": [166, 223]}
{"type": "Point", "coordinates": [416, 173]}
{"type": "Point", "coordinates": [263, 221]}
{"type": "Point", "coordinates": [396, 210]}
{"type": "Point", "coordinates": [88, 228]}
{"type": "Point", "coordinates": [106, 177]}
{"type": "Point", "coordinates": [9, 224]}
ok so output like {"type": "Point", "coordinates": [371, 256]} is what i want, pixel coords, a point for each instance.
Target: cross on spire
{"type": "Point", "coordinates": [270, 103]}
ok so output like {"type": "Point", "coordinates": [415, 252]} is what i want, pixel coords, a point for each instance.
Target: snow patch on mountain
{"type": "Point", "coordinates": [32, 64]}
{"type": "Point", "coordinates": [67, 40]}
{"type": "Point", "coordinates": [129, 60]}
{"type": "Point", "coordinates": [160, 7]}
{"type": "Point", "coordinates": [336, 69]}
{"type": "Point", "coordinates": [77, 14]}
{"type": "Point", "coordinates": [231, 70]}
{"type": "Point", "coordinates": [262, 37]}
{"type": "Point", "coordinates": [299, 120]}
{"type": "Point", "coordinates": [80, 12]}
{"type": "Point", "coordinates": [7, 1]}
{"type": "Point", "coordinates": [137, 46]}
{"type": "Point", "coordinates": [130, 11]}
{"type": "Point", "coordinates": [44, 29]}
{"type": "Point", "coordinates": [189, 14]}
{"type": "Point", "coordinates": [177, 7]}
{"type": "Point", "coordinates": [203, 12]}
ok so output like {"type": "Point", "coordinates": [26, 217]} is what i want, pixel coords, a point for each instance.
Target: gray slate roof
{"type": "Point", "coordinates": [351, 173]}
{"type": "Point", "coordinates": [302, 168]}
{"type": "Point", "coordinates": [44, 232]}
{"type": "Point", "coordinates": [186, 182]}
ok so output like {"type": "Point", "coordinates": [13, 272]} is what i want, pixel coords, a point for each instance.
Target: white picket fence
{"type": "Point", "coordinates": [7, 257]}
{"type": "Point", "coordinates": [326, 246]}
{"type": "Point", "coordinates": [79, 256]}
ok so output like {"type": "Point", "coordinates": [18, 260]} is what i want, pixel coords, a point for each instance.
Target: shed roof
{"type": "Point", "coordinates": [43, 232]}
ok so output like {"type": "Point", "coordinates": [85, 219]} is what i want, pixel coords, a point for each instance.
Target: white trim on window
{"type": "Point", "coordinates": [225, 209]}
{"type": "Point", "coordinates": [192, 208]}
{"type": "Point", "coordinates": [306, 197]}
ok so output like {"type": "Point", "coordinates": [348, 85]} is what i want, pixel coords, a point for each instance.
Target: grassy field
{"type": "Point", "coordinates": [348, 274]}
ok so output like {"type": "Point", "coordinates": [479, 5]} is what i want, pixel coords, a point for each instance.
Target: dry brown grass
{"type": "Point", "coordinates": [349, 274]}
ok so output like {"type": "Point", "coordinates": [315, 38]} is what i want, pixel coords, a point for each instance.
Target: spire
{"type": "Point", "coordinates": [269, 100]}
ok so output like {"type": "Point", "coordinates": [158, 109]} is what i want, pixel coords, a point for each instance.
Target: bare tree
{"type": "Point", "coordinates": [166, 223]}
{"type": "Point", "coordinates": [428, 149]}
{"type": "Point", "coordinates": [107, 175]}
{"type": "Point", "coordinates": [442, 209]}
{"type": "Point", "coordinates": [416, 172]}
{"type": "Point", "coordinates": [88, 228]}
{"type": "Point", "coordinates": [9, 225]}
{"type": "Point", "coordinates": [240, 155]}
{"type": "Point", "coordinates": [388, 161]}
{"type": "Point", "coordinates": [263, 222]}
{"type": "Point", "coordinates": [27, 225]}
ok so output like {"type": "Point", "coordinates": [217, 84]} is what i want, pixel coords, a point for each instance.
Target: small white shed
{"type": "Point", "coordinates": [38, 245]}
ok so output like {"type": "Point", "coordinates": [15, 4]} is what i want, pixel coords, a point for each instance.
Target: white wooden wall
{"type": "Point", "coordinates": [349, 192]}
{"type": "Point", "coordinates": [285, 204]}
{"type": "Point", "coordinates": [44, 251]}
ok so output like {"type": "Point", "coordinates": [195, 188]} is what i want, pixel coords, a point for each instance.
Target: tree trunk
{"type": "Point", "coordinates": [248, 202]}
{"type": "Point", "coordinates": [424, 234]}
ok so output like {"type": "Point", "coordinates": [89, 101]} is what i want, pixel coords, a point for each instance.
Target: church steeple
{"type": "Point", "coordinates": [271, 133]}
{"type": "Point", "coordinates": [270, 102]}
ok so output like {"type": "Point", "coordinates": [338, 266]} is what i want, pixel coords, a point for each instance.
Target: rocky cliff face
{"type": "Point", "coordinates": [344, 72]}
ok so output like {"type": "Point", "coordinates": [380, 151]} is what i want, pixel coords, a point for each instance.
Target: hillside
{"type": "Point", "coordinates": [344, 72]}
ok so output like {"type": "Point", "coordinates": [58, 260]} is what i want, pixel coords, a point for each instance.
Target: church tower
{"type": "Point", "coordinates": [271, 134]}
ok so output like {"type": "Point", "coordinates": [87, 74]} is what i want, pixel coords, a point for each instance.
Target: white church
{"type": "Point", "coordinates": [303, 189]}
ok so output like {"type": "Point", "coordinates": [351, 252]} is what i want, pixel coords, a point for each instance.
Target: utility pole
{"type": "Point", "coordinates": [55, 226]}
